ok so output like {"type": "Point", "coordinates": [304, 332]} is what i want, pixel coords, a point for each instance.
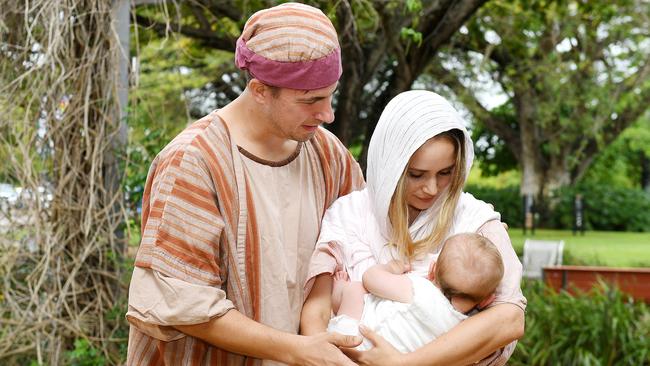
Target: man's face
{"type": "Point", "coordinates": [296, 114]}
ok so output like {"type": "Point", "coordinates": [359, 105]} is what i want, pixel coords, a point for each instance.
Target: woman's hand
{"type": "Point", "coordinates": [397, 267]}
{"type": "Point", "coordinates": [382, 353]}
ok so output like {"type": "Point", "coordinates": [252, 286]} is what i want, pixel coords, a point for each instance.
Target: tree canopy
{"type": "Point", "coordinates": [574, 75]}
{"type": "Point", "coordinates": [385, 46]}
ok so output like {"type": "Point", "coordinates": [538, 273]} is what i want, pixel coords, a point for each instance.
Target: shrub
{"type": "Point", "coordinates": [601, 327]}
{"type": "Point", "coordinates": [507, 201]}
{"type": "Point", "coordinates": [605, 208]}
{"type": "Point", "coordinates": [85, 354]}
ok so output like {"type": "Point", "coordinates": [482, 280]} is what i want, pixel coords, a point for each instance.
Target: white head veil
{"type": "Point", "coordinates": [355, 229]}
{"type": "Point", "coordinates": [407, 122]}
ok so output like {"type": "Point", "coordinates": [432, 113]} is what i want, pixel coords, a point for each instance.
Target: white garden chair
{"type": "Point", "coordinates": [539, 254]}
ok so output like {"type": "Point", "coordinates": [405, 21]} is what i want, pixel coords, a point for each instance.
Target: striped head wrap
{"type": "Point", "coordinates": [290, 46]}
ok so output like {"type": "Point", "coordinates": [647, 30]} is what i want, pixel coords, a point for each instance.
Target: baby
{"type": "Point", "coordinates": [410, 311]}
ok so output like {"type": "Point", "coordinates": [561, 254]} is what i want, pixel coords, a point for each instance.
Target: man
{"type": "Point", "coordinates": [233, 205]}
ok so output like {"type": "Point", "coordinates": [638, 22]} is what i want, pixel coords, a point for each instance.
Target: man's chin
{"type": "Point", "coordinates": [304, 137]}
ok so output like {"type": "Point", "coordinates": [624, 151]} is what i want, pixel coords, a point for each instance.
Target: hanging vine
{"type": "Point", "coordinates": [60, 257]}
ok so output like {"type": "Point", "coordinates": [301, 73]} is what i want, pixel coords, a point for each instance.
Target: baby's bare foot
{"type": "Point", "coordinates": [341, 280]}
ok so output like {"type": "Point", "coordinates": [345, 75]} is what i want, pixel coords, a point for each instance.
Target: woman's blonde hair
{"type": "Point", "coordinates": [398, 209]}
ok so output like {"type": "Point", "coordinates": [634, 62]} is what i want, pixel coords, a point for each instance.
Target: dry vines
{"type": "Point", "coordinates": [60, 256]}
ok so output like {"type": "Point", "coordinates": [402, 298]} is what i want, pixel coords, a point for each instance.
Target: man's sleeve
{"type": "Point", "coordinates": [352, 176]}
{"type": "Point", "coordinates": [177, 278]}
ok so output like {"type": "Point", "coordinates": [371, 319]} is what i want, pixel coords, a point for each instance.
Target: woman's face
{"type": "Point", "coordinates": [428, 173]}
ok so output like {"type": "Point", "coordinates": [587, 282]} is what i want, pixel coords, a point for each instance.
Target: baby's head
{"type": "Point", "coordinates": [468, 271]}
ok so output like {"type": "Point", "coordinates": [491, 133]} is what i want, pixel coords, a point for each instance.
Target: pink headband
{"type": "Point", "coordinates": [301, 75]}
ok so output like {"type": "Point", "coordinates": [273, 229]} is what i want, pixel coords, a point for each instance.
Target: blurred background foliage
{"type": "Point", "coordinates": [555, 94]}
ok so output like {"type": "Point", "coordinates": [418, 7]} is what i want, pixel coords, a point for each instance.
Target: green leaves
{"type": "Point", "coordinates": [414, 6]}
{"type": "Point", "coordinates": [85, 354]}
{"type": "Point", "coordinates": [601, 327]}
{"type": "Point", "coordinates": [410, 34]}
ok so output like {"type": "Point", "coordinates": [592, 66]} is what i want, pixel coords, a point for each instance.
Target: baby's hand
{"type": "Point", "coordinates": [398, 267]}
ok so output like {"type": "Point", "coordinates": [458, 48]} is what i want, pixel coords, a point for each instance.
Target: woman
{"type": "Point", "coordinates": [418, 161]}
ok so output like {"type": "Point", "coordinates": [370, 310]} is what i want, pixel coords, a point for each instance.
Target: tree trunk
{"type": "Point", "coordinates": [532, 177]}
{"type": "Point", "coordinates": [556, 177]}
{"type": "Point", "coordinates": [398, 84]}
{"type": "Point", "coordinates": [558, 173]}
{"type": "Point", "coordinates": [347, 108]}
{"type": "Point", "coordinates": [113, 156]}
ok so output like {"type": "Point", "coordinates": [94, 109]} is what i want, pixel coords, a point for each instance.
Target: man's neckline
{"type": "Point", "coordinates": [270, 163]}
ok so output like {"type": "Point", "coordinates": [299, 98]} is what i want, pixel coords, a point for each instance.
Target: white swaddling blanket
{"type": "Point", "coordinates": [405, 326]}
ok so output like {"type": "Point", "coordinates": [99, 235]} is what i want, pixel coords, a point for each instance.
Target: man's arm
{"type": "Point", "coordinates": [388, 281]}
{"type": "Point", "coordinates": [472, 340]}
{"type": "Point", "coordinates": [237, 333]}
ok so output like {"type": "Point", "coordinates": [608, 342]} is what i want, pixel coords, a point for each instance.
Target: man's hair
{"type": "Point", "coordinates": [275, 90]}
{"type": "Point", "coordinates": [478, 259]}
{"type": "Point", "coordinates": [398, 209]}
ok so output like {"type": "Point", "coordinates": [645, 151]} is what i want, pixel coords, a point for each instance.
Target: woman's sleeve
{"type": "Point", "coordinates": [329, 257]}
{"type": "Point", "coordinates": [509, 290]}
{"type": "Point", "coordinates": [338, 247]}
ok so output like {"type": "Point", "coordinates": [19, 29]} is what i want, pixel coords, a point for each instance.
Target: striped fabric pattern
{"type": "Point", "coordinates": [290, 32]}
{"type": "Point", "coordinates": [199, 226]}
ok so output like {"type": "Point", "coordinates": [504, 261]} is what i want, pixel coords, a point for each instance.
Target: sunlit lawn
{"type": "Point", "coordinates": [607, 248]}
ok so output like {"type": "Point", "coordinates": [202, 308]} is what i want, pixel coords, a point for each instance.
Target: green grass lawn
{"type": "Point", "coordinates": [604, 248]}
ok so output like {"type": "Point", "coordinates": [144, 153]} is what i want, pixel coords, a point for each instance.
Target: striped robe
{"type": "Point", "coordinates": [200, 171]}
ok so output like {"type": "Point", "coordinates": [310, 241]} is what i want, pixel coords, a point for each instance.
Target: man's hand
{"type": "Point", "coordinates": [322, 349]}
{"type": "Point", "coordinates": [383, 353]}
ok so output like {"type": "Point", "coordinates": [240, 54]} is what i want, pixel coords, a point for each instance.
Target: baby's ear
{"type": "Point", "coordinates": [432, 271]}
{"type": "Point", "coordinates": [487, 301]}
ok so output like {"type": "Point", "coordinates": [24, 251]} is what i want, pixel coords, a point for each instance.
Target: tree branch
{"type": "Point", "coordinates": [455, 16]}
{"type": "Point", "coordinates": [207, 37]}
{"type": "Point", "coordinates": [498, 126]}
{"type": "Point", "coordinates": [197, 11]}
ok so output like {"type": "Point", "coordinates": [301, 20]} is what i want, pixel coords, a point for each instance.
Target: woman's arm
{"type": "Point", "coordinates": [473, 339]}
{"type": "Point", "coordinates": [470, 341]}
{"type": "Point", "coordinates": [317, 309]}
{"type": "Point", "coordinates": [479, 335]}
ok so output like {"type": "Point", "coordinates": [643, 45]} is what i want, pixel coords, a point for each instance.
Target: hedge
{"type": "Point", "coordinates": [605, 208]}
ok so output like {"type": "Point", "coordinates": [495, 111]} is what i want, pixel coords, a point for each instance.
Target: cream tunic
{"type": "Point", "coordinates": [288, 222]}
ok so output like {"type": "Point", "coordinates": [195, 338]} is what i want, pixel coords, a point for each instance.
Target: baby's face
{"type": "Point", "coordinates": [462, 304]}
{"type": "Point", "coordinates": [454, 287]}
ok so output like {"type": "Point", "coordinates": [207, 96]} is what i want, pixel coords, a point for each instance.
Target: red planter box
{"type": "Point", "coordinates": [633, 281]}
